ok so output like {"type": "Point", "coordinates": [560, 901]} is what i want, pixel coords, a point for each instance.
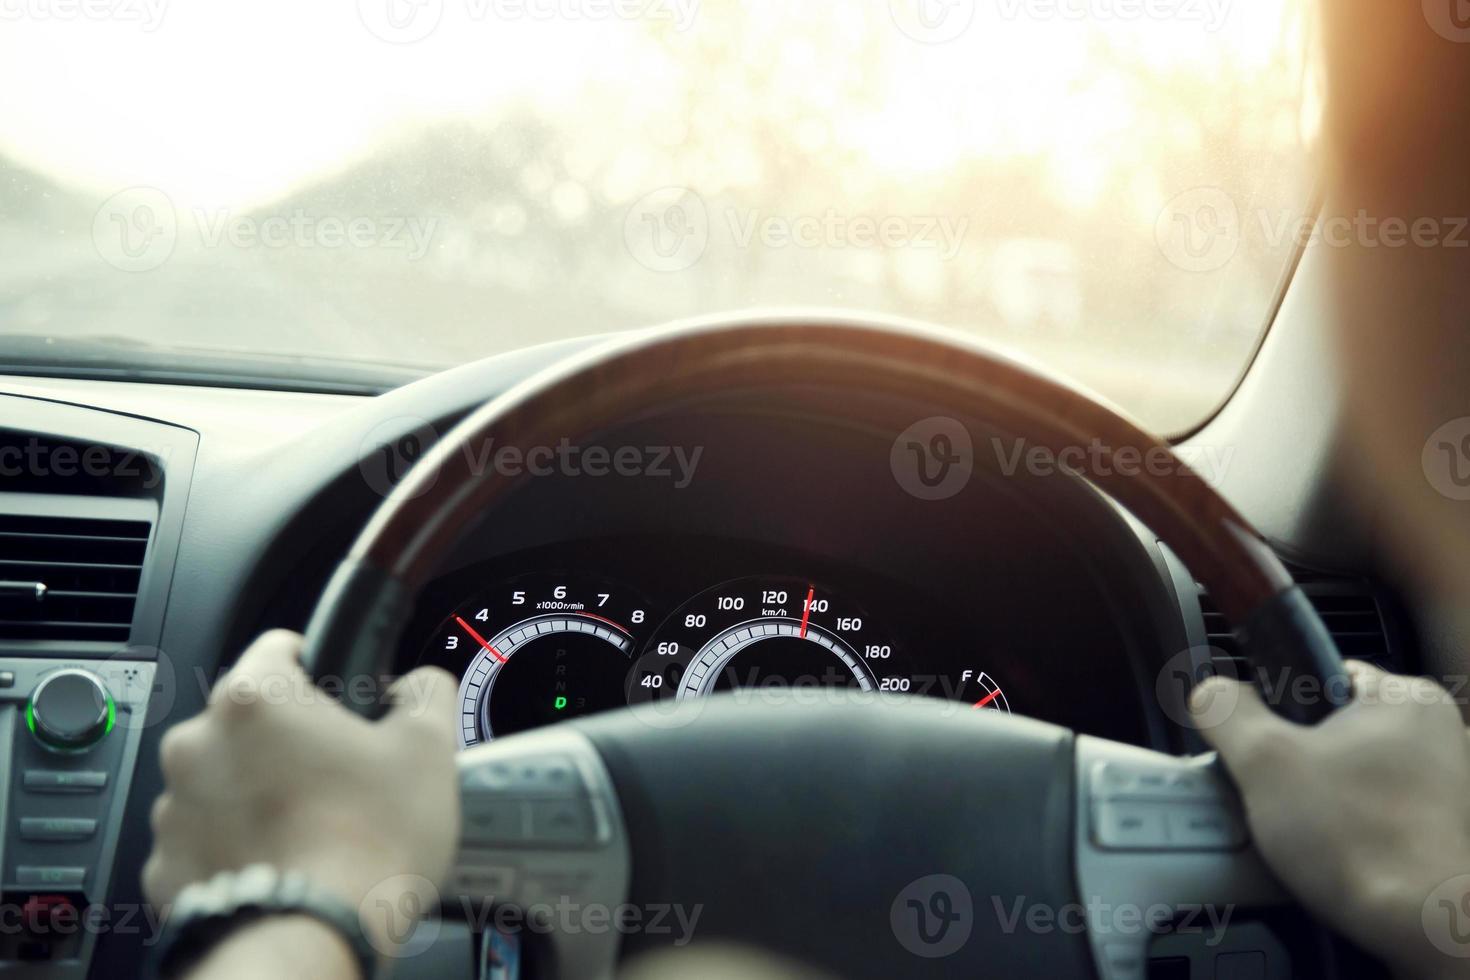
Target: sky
{"type": "Point", "coordinates": [228, 103]}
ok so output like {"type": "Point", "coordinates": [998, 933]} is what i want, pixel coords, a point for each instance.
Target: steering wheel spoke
{"type": "Point", "coordinates": [542, 840]}
{"type": "Point", "coordinates": [1159, 841]}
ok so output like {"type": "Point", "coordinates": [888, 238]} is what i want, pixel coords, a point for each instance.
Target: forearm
{"type": "Point", "coordinates": [287, 946]}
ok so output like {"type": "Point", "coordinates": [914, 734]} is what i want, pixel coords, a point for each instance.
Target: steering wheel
{"type": "Point", "coordinates": [866, 840]}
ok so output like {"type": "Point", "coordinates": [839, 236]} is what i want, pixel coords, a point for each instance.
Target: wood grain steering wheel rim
{"type": "Point", "coordinates": [358, 620]}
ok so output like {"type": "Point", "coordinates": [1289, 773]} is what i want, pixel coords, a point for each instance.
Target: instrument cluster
{"type": "Point", "coordinates": [537, 647]}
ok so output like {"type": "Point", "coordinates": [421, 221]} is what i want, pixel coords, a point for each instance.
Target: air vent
{"type": "Point", "coordinates": [1220, 635]}
{"type": "Point", "coordinates": [1354, 620]}
{"type": "Point", "coordinates": [1348, 609]}
{"type": "Point", "coordinates": [65, 578]}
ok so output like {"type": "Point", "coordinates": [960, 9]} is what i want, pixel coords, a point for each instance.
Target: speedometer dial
{"type": "Point", "coordinates": [774, 650]}
{"type": "Point", "coordinates": [764, 633]}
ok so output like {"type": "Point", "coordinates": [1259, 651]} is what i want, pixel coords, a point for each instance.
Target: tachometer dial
{"type": "Point", "coordinates": [537, 650]}
{"type": "Point", "coordinates": [764, 633]}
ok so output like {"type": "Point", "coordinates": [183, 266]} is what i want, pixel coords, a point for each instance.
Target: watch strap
{"type": "Point", "coordinates": [206, 912]}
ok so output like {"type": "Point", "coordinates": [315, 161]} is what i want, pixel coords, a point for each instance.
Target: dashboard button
{"type": "Point", "coordinates": [71, 710]}
{"type": "Point", "coordinates": [57, 828]}
{"type": "Point", "coordinates": [51, 877]}
{"type": "Point", "coordinates": [64, 781]}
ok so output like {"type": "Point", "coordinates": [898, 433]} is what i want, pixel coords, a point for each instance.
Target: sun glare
{"type": "Point", "coordinates": [228, 103]}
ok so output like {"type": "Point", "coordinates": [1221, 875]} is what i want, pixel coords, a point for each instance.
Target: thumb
{"type": "Point", "coordinates": [428, 697]}
{"type": "Point", "coordinates": [1231, 716]}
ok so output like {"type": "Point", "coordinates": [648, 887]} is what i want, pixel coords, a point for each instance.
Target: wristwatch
{"type": "Point", "coordinates": [206, 912]}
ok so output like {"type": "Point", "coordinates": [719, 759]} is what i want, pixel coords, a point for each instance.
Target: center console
{"type": "Point", "coordinates": [69, 735]}
{"type": "Point", "coordinates": [91, 511]}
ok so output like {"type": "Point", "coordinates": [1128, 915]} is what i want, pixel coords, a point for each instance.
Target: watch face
{"type": "Point", "coordinates": [500, 955]}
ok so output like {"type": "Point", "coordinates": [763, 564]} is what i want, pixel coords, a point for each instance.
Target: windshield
{"type": "Point", "coordinates": [1113, 187]}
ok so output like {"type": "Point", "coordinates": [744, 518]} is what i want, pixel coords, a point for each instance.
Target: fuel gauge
{"type": "Point", "coordinates": [983, 693]}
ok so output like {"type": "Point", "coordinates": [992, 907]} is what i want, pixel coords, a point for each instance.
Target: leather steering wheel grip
{"type": "Point", "coordinates": [355, 628]}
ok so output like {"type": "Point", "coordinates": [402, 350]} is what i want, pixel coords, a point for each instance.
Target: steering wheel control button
{"type": "Point", "coordinates": [538, 801]}
{"type": "Point", "coordinates": [562, 823]}
{"type": "Point", "coordinates": [70, 711]}
{"type": "Point", "coordinates": [64, 781]}
{"type": "Point", "coordinates": [1205, 828]}
{"type": "Point", "coordinates": [1115, 780]}
{"type": "Point", "coordinates": [1130, 826]}
{"type": "Point", "coordinates": [49, 877]}
{"type": "Point", "coordinates": [1140, 807]}
{"type": "Point", "coordinates": [482, 879]}
{"type": "Point", "coordinates": [491, 821]}
{"type": "Point", "coordinates": [508, 822]}
{"type": "Point", "coordinates": [550, 776]}
{"type": "Point", "coordinates": [57, 828]}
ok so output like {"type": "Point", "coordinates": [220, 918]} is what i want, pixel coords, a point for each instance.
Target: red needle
{"type": "Point", "coordinates": [806, 609]}
{"type": "Point", "coordinates": [480, 639]}
{"type": "Point", "coordinates": [988, 698]}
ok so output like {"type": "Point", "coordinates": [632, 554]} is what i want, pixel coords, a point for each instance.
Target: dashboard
{"type": "Point", "coordinates": [794, 566]}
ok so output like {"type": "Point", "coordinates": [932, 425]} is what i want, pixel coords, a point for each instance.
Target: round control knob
{"type": "Point", "coordinates": [70, 710]}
